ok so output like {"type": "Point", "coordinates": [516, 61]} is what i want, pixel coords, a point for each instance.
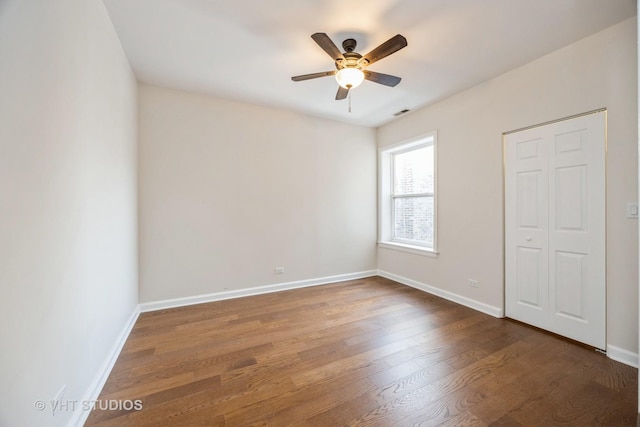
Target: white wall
{"type": "Point", "coordinates": [67, 202]}
{"type": "Point", "coordinates": [228, 191]}
{"type": "Point", "coordinates": [599, 71]}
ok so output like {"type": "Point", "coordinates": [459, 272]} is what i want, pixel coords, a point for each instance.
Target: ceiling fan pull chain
{"type": "Point", "coordinates": [349, 101]}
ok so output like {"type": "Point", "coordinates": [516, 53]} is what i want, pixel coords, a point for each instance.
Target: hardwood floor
{"type": "Point", "coordinates": [364, 352]}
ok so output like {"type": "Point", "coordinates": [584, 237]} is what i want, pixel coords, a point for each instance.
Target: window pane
{"type": "Point", "coordinates": [413, 171]}
{"type": "Point", "coordinates": [413, 219]}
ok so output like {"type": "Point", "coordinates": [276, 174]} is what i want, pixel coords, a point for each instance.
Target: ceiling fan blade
{"type": "Point", "coordinates": [342, 93]}
{"type": "Point", "coordinates": [327, 45]}
{"type": "Point", "coordinates": [312, 76]}
{"type": "Point", "coordinates": [383, 79]}
{"type": "Point", "coordinates": [392, 45]}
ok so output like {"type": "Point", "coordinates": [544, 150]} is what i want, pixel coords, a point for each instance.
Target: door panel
{"type": "Point", "coordinates": [571, 198]}
{"type": "Point", "coordinates": [571, 285]}
{"type": "Point", "coordinates": [555, 227]}
{"type": "Point", "coordinates": [577, 224]}
{"type": "Point", "coordinates": [530, 263]}
{"type": "Point", "coordinates": [529, 195]}
{"type": "Point", "coordinates": [528, 220]}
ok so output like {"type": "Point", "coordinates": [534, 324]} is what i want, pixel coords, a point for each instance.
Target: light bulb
{"type": "Point", "coordinates": [349, 78]}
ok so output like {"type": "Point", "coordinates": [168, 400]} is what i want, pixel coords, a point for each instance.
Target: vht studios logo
{"type": "Point", "coordinates": [88, 405]}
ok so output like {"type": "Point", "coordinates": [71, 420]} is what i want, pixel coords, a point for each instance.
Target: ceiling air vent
{"type": "Point", "coordinates": [401, 112]}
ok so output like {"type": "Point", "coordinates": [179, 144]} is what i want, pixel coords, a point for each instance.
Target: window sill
{"type": "Point", "coordinates": [410, 249]}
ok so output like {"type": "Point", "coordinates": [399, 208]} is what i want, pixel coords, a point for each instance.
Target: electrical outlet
{"type": "Point", "coordinates": [472, 283]}
{"type": "Point", "coordinates": [278, 270]}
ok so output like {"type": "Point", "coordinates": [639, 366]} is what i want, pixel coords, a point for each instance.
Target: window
{"type": "Point", "coordinates": [407, 195]}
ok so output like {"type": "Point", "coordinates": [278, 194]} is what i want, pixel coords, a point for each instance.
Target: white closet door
{"type": "Point", "coordinates": [555, 228]}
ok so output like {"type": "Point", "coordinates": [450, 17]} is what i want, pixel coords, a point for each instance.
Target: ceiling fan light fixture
{"type": "Point", "coordinates": [349, 78]}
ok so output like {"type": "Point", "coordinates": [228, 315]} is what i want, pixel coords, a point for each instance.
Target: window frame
{"type": "Point", "coordinates": [386, 196]}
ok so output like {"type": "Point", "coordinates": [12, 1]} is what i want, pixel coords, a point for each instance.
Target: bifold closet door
{"type": "Point", "coordinates": [555, 260]}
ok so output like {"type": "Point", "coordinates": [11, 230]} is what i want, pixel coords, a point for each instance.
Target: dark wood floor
{"type": "Point", "coordinates": [364, 352]}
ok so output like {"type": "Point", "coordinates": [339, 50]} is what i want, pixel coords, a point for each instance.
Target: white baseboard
{"type": "Point", "coordinates": [623, 356]}
{"type": "Point", "coordinates": [219, 296]}
{"type": "Point", "coordinates": [80, 416]}
{"type": "Point", "coordinates": [468, 302]}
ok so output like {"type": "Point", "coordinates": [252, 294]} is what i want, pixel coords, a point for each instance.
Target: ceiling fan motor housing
{"type": "Point", "coordinates": [349, 45]}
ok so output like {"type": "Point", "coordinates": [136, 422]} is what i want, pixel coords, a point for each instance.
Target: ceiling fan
{"type": "Point", "coordinates": [351, 66]}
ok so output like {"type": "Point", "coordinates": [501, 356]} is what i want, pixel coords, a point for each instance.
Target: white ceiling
{"type": "Point", "coordinates": [248, 50]}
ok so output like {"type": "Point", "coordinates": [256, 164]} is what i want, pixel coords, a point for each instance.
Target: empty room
{"type": "Point", "coordinates": [319, 213]}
